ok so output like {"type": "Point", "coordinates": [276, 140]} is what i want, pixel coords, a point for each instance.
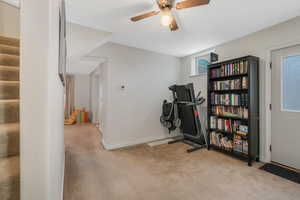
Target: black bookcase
{"type": "Point", "coordinates": [233, 107]}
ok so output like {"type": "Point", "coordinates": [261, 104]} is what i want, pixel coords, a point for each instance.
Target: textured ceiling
{"type": "Point", "coordinates": [200, 27]}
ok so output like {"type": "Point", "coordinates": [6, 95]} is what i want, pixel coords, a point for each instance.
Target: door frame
{"type": "Point", "coordinates": [268, 77]}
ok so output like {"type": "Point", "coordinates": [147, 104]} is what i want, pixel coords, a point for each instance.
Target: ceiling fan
{"type": "Point", "coordinates": [165, 6]}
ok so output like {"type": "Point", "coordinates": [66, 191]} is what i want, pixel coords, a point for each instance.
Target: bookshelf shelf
{"type": "Point", "coordinates": [225, 132]}
{"type": "Point", "coordinates": [228, 133]}
{"type": "Point", "coordinates": [233, 87]}
{"type": "Point", "coordinates": [219, 104]}
{"type": "Point", "coordinates": [236, 154]}
{"type": "Point", "coordinates": [227, 77]}
{"type": "Point", "coordinates": [230, 117]}
{"type": "Point", "coordinates": [230, 91]}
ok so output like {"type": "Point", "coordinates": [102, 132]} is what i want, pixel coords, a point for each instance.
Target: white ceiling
{"type": "Point", "coordinates": [15, 3]}
{"type": "Point", "coordinates": [200, 27]}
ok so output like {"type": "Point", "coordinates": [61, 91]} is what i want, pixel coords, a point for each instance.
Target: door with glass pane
{"type": "Point", "coordinates": [286, 106]}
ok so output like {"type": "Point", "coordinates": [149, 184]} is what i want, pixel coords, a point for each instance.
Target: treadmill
{"type": "Point", "coordinates": [194, 133]}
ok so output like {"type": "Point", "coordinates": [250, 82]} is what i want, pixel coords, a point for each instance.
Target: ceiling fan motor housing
{"type": "Point", "coordinates": [165, 4]}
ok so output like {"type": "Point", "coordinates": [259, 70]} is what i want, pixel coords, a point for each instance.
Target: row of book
{"type": "Point", "coordinates": [230, 111]}
{"type": "Point", "coordinates": [245, 82]}
{"type": "Point", "coordinates": [235, 68]}
{"type": "Point", "coordinates": [229, 99]}
{"type": "Point", "coordinates": [217, 139]}
{"type": "Point", "coordinates": [242, 130]}
{"type": "Point", "coordinates": [238, 144]}
{"type": "Point", "coordinates": [234, 84]}
{"type": "Point", "coordinates": [228, 125]}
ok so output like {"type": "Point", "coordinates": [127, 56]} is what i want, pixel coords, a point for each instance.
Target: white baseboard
{"type": "Point", "coordinates": [63, 178]}
{"type": "Point", "coordinates": [100, 129]}
{"type": "Point", "coordinates": [263, 159]}
{"type": "Point", "coordinates": [110, 146]}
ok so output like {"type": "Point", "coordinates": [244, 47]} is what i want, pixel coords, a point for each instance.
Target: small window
{"type": "Point", "coordinates": [291, 83]}
{"type": "Point", "coordinates": [200, 65]}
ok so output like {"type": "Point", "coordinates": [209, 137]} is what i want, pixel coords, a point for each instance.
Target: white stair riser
{"type": "Point", "coordinates": [9, 60]}
{"type": "Point", "coordinates": [9, 144]}
{"type": "Point", "coordinates": [9, 91]}
{"type": "Point", "coordinates": [10, 190]}
{"type": "Point", "coordinates": [9, 75]}
{"type": "Point", "coordinates": [9, 112]}
{"type": "Point", "coordinates": [11, 50]}
{"type": "Point", "coordinates": [9, 41]}
{"type": "Point", "coordinates": [10, 178]}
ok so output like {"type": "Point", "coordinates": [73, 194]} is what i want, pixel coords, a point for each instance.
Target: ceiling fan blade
{"type": "Point", "coordinates": [191, 3]}
{"type": "Point", "coordinates": [173, 26]}
{"type": "Point", "coordinates": [143, 16]}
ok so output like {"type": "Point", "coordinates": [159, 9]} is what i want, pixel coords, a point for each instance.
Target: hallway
{"type": "Point", "coordinates": [163, 172]}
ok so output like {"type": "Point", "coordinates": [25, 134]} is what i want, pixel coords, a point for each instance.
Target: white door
{"type": "Point", "coordinates": [286, 106]}
{"type": "Point", "coordinates": [96, 108]}
{"type": "Point", "coordinates": [100, 101]}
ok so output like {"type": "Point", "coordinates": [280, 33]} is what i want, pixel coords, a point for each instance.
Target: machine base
{"type": "Point", "coordinates": [195, 146]}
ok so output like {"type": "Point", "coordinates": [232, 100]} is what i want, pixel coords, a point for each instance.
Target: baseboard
{"type": "Point", "coordinates": [110, 146]}
{"type": "Point", "coordinates": [100, 129]}
{"type": "Point", "coordinates": [63, 178]}
{"type": "Point", "coordinates": [263, 159]}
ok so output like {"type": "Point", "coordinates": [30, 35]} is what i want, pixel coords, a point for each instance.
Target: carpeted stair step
{"type": "Point", "coordinates": [9, 89]}
{"type": "Point", "coordinates": [9, 119]}
{"type": "Point", "coordinates": [9, 60]}
{"type": "Point", "coordinates": [9, 73]}
{"type": "Point", "coordinates": [9, 139]}
{"type": "Point", "coordinates": [9, 41]}
{"type": "Point", "coordinates": [11, 50]}
{"type": "Point", "coordinates": [9, 110]}
{"type": "Point", "coordinates": [9, 178]}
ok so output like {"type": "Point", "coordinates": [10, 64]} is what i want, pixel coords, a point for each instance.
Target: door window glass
{"type": "Point", "coordinates": [291, 83]}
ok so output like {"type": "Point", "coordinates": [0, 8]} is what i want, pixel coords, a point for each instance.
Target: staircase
{"type": "Point", "coordinates": [9, 119]}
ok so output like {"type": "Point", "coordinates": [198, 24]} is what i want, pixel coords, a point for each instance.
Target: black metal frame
{"type": "Point", "coordinates": [253, 107]}
{"type": "Point", "coordinates": [185, 140]}
{"type": "Point", "coordinates": [192, 140]}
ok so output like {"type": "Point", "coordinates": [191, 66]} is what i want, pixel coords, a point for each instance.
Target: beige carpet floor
{"type": "Point", "coordinates": [164, 172]}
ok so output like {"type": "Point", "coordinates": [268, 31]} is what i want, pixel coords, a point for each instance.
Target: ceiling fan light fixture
{"type": "Point", "coordinates": [166, 18]}
{"type": "Point", "coordinates": [165, 7]}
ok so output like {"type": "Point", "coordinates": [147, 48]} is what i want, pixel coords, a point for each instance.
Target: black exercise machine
{"type": "Point", "coordinates": [183, 113]}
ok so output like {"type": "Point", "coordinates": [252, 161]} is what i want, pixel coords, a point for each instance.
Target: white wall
{"type": "Point", "coordinates": [132, 115]}
{"type": "Point", "coordinates": [104, 97]}
{"type": "Point", "coordinates": [9, 21]}
{"type": "Point", "coordinates": [41, 92]}
{"type": "Point", "coordinates": [199, 81]}
{"type": "Point", "coordinates": [257, 44]}
{"type": "Point", "coordinates": [94, 95]}
{"type": "Point", "coordinates": [81, 41]}
{"type": "Point", "coordinates": [82, 91]}
{"type": "Point", "coordinates": [14, 3]}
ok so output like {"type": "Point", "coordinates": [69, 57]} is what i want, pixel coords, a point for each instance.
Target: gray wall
{"type": "Point", "coordinates": [9, 21]}
{"type": "Point", "coordinates": [94, 95]}
{"type": "Point", "coordinates": [256, 44]}
{"type": "Point", "coordinates": [131, 116]}
{"type": "Point", "coordinates": [42, 103]}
